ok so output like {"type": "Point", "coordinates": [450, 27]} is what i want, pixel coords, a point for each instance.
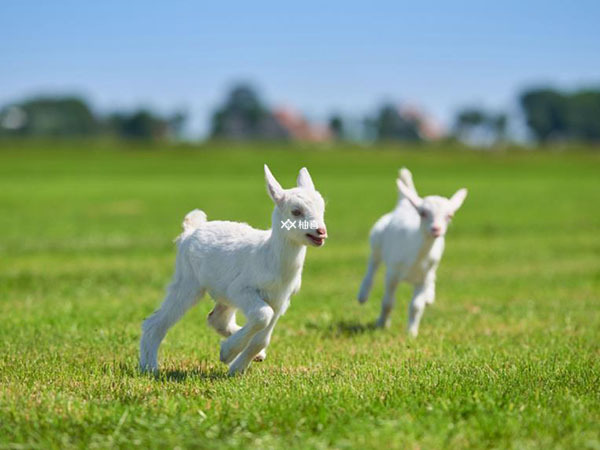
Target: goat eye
{"type": "Point", "coordinates": [296, 212]}
{"type": "Point", "coordinates": [423, 214]}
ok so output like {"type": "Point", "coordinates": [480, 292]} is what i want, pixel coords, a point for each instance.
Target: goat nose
{"type": "Point", "coordinates": [436, 230]}
{"type": "Point", "coordinates": [321, 231]}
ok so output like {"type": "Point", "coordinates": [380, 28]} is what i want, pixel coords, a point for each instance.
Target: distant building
{"type": "Point", "coordinates": [298, 128]}
{"type": "Point", "coordinates": [429, 129]}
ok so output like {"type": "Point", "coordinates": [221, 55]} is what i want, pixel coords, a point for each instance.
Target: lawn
{"type": "Point", "coordinates": [508, 357]}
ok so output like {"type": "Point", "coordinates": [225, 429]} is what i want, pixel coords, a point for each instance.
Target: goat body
{"type": "Point", "coordinates": [241, 268]}
{"type": "Point", "coordinates": [410, 241]}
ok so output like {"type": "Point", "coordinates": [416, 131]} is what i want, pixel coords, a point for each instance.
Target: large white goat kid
{"type": "Point", "coordinates": [255, 271]}
{"type": "Point", "coordinates": [410, 240]}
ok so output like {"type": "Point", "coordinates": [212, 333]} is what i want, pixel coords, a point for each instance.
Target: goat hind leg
{"type": "Point", "coordinates": [222, 319]}
{"type": "Point", "coordinates": [181, 296]}
{"type": "Point", "coordinates": [367, 283]}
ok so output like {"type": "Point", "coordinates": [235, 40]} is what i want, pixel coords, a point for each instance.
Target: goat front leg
{"type": "Point", "coordinates": [430, 285]}
{"type": "Point", "coordinates": [256, 347]}
{"type": "Point", "coordinates": [259, 315]}
{"type": "Point", "coordinates": [261, 356]}
{"type": "Point", "coordinates": [222, 319]}
{"type": "Point", "coordinates": [417, 308]}
{"type": "Point", "coordinates": [389, 298]}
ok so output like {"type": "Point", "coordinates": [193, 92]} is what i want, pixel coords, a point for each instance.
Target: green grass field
{"type": "Point", "coordinates": [508, 357]}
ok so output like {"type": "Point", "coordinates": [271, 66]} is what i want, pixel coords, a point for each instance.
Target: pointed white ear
{"type": "Point", "coordinates": [406, 177]}
{"type": "Point", "coordinates": [458, 198]}
{"type": "Point", "coordinates": [411, 195]}
{"type": "Point", "coordinates": [304, 180]}
{"type": "Point", "coordinates": [273, 187]}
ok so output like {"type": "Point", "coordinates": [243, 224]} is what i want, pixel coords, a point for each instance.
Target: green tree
{"type": "Point", "coordinates": [336, 126]}
{"type": "Point", "coordinates": [140, 124]}
{"type": "Point", "coordinates": [546, 113]}
{"type": "Point", "coordinates": [499, 124]}
{"type": "Point", "coordinates": [54, 116]}
{"type": "Point", "coordinates": [143, 124]}
{"type": "Point", "coordinates": [583, 117]}
{"type": "Point", "coordinates": [478, 124]}
{"type": "Point", "coordinates": [244, 116]}
{"type": "Point", "coordinates": [391, 125]}
{"type": "Point", "coordinates": [467, 121]}
{"type": "Point", "coordinates": [176, 124]}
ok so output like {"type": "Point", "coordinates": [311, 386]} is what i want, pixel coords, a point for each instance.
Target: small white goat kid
{"type": "Point", "coordinates": [410, 240]}
{"type": "Point", "coordinates": [255, 271]}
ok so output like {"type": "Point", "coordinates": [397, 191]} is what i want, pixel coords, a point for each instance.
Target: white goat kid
{"type": "Point", "coordinates": [410, 240]}
{"type": "Point", "coordinates": [255, 271]}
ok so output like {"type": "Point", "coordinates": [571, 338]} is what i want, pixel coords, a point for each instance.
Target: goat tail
{"type": "Point", "coordinates": [406, 177]}
{"type": "Point", "coordinates": [192, 220]}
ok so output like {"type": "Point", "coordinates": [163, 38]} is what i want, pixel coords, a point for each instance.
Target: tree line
{"type": "Point", "coordinates": [72, 116]}
{"type": "Point", "coordinates": [550, 116]}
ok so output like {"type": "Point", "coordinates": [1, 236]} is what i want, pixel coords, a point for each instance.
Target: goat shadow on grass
{"type": "Point", "coordinates": [345, 328]}
{"type": "Point", "coordinates": [169, 374]}
{"type": "Point", "coordinates": [198, 373]}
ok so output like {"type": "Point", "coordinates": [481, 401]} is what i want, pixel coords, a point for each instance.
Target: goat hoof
{"type": "Point", "coordinates": [225, 355]}
{"type": "Point", "coordinates": [234, 371]}
{"type": "Point", "coordinates": [261, 356]}
{"type": "Point", "coordinates": [383, 324]}
{"type": "Point", "coordinates": [148, 369]}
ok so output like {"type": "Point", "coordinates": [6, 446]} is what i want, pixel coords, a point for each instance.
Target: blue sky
{"type": "Point", "coordinates": [317, 56]}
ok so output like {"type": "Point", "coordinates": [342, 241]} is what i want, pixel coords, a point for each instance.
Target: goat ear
{"type": "Point", "coordinates": [458, 198]}
{"type": "Point", "coordinates": [273, 187]}
{"type": "Point", "coordinates": [304, 180]}
{"type": "Point", "coordinates": [406, 177]}
{"type": "Point", "coordinates": [411, 195]}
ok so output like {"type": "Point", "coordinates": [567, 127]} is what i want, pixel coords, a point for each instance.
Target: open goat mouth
{"type": "Point", "coordinates": [316, 240]}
